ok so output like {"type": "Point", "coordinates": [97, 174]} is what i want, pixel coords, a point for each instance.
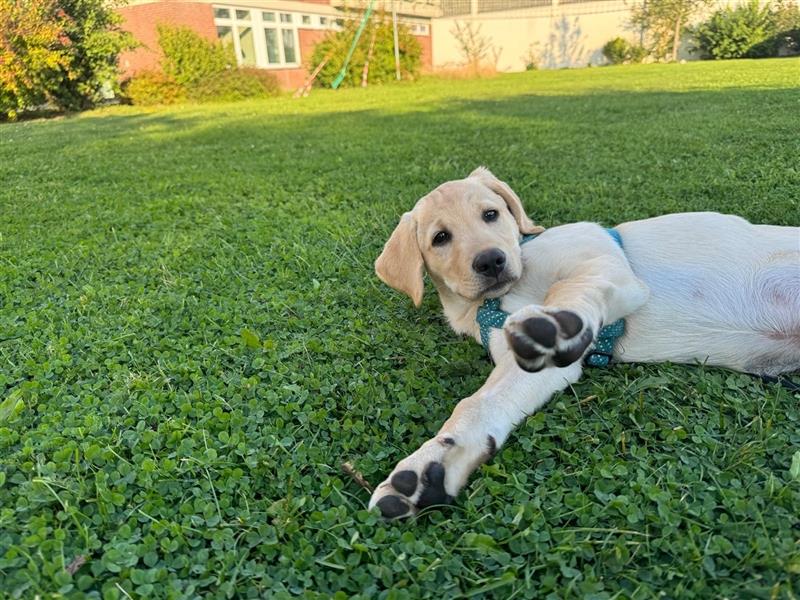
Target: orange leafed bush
{"type": "Point", "coordinates": [34, 53]}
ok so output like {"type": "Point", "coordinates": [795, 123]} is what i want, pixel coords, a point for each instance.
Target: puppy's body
{"type": "Point", "coordinates": [731, 299]}
{"type": "Point", "coordinates": [692, 287]}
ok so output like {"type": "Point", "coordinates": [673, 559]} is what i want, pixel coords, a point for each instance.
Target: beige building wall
{"type": "Point", "coordinates": [559, 35]}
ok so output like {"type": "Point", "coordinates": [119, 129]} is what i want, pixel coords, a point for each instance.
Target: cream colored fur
{"type": "Point", "coordinates": [693, 288]}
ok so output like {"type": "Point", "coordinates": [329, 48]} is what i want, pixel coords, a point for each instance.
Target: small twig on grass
{"type": "Point", "coordinates": [357, 477]}
{"type": "Point", "coordinates": [76, 564]}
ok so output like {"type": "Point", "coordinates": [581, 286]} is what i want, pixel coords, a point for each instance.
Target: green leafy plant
{"type": "Point", "coordinates": [234, 84]}
{"type": "Point", "coordinates": [619, 51]}
{"type": "Point", "coordinates": [734, 32]}
{"type": "Point", "coordinates": [95, 39]}
{"type": "Point", "coordinates": [751, 30]}
{"type": "Point", "coordinates": [153, 87]}
{"type": "Point", "coordinates": [336, 45]}
{"type": "Point", "coordinates": [532, 57]}
{"type": "Point", "coordinates": [189, 58]}
{"type": "Point", "coordinates": [57, 52]}
{"type": "Point", "coordinates": [197, 70]}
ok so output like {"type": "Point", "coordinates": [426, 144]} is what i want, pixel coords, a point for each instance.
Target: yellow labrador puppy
{"type": "Point", "coordinates": [691, 287]}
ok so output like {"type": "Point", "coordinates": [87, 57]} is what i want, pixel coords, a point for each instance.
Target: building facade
{"type": "Point", "coordinates": [278, 35]}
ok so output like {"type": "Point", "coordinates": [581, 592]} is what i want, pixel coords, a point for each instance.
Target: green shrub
{"type": "Point", "coordinates": [32, 55]}
{"type": "Point", "coordinates": [199, 70]}
{"type": "Point", "coordinates": [234, 84]}
{"type": "Point", "coordinates": [751, 31]}
{"type": "Point", "coordinates": [153, 87]}
{"type": "Point", "coordinates": [619, 51]}
{"type": "Point", "coordinates": [189, 58]}
{"type": "Point", "coordinates": [785, 38]}
{"type": "Point", "coordinates": [57, 52]}
{"type": "Point", "coordinates": [381, 66]}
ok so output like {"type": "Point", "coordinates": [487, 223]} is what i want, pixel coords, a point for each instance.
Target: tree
{"type": "Point", "coordinates": [60, 52]}
{"type": "Point", "coordinates": [475, 48]}
{"type": "Point", "coordinates": [663, 21]}
{"type": "Point", "coordinates": [376, 42]}
{"type": "Point", "coordinates": [34, 52]}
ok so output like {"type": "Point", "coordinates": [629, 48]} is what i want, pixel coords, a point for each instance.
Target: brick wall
{"type": "Point", "coordinates": [426, 58]}
{"type": "Point", "coordinates": [141, 20]}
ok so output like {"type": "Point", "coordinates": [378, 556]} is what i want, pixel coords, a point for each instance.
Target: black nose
{"type": "Point", "coordinates": [490, 262]}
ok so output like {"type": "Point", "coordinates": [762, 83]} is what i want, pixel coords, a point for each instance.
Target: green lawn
{"type": "Point", "coordinates": [192, 341]}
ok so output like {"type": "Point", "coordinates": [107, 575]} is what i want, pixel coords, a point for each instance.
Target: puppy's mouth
{"type": "Point", "coordinates": [497, 288]}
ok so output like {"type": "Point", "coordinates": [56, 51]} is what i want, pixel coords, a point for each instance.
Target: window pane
{"type": "Point", "coordinates": [222, 13]}
{"type": "Point", "coordinates": [269, 17]}
{"type": "Point", "coordinates": [323, 20]}
{"type": "Point", "coordinates": [243, 15]}
{"type": "Point", "coordinates": [288, 46]}
{"type": "Point", "coordinates": [285, 18]}
{"type": "Point", "coordinates": [306, 19]}
{"type": "Point", "coordinates": [273, 54]}
{"type": "Point", "coordinates": [247, 46]}
{"type": "Point", "coordinates": [225, 34]}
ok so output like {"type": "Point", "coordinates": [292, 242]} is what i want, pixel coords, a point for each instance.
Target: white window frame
{"type": "Point", "coordinates": [258, 26]}
{"type": "Point", "coordinates": [280, 27]}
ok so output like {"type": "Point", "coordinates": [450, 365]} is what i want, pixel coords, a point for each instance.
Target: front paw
{"type": "Point", "coordinates": [432, 475]}
{"type": "Point", "coordinates": [542, 338]}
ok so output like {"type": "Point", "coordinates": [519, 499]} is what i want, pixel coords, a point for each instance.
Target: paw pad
{"type": "Point", "coordinates": [541, 339]}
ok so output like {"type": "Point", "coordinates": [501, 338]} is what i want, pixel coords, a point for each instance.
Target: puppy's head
{"type": "Point", "coordinates": [465, 233]}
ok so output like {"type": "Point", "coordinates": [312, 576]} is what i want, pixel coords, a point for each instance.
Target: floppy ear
{"type": "Point", "coordinates": [400, 265]}
{"type": "Point", "coordinates": [512, 200]}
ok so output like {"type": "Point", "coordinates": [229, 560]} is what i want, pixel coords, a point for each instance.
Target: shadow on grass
{"type": "Point", "coordinates": [607, 155]}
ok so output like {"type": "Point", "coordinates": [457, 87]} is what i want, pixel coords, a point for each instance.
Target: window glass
{"type": "Point", "coordinates": [247, 45]}
{"type": "Point", "coordinates": [323, 20]}
{"type": "Point", "coordinates": [268, 16]}
{"type": "Point", "coordinates": [222, 13]}
{"type": "Point", "coordinates": [288, 46]}
{"type": "Point", "coordinates": [225, 34]}
{"type": "Point", "coordinates": [286, 18]}
{"type": "Point", "coordinates": [273, 53]}
{"type": "Point", "coordinates": [243, 15]}
{"type": "Point", "coordinates": [306, 19]}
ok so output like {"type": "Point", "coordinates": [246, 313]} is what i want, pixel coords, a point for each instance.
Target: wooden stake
{"type": "Point", "coordinates": [304, 89]}
{"type": "Point", "coordinates": [365, 73]}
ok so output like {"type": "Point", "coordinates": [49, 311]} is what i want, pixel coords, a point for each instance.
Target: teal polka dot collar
{"type": "Point", "coordinates": [491, 316]}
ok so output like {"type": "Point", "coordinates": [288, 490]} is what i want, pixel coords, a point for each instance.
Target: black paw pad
{"type": "Point", "coordinates": [405, 482]}
{"type": "Point", "coordinates": [541, 331]}
{"type": "Point", "coordinates": [570, 323]}
{"type": "Point", "coordinates": [433, 483]}
{"type": "Point", "coordinates": [522, 347]}
{"type": "Point", "coordinates": [392, 507]}
{"type": "Point", "coordinates": [567, 357]}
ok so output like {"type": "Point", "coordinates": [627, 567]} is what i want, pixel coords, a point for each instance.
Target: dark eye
{"type": "Point", "coordinates": [441, 238]}
{"type": "Point", "coordinates": [490, 215]}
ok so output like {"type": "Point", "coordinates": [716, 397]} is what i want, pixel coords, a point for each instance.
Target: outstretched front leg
{"type": "Point", "coordinates": [594, 293]}
{"type": "Point", "coordinates": [478, 427]}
